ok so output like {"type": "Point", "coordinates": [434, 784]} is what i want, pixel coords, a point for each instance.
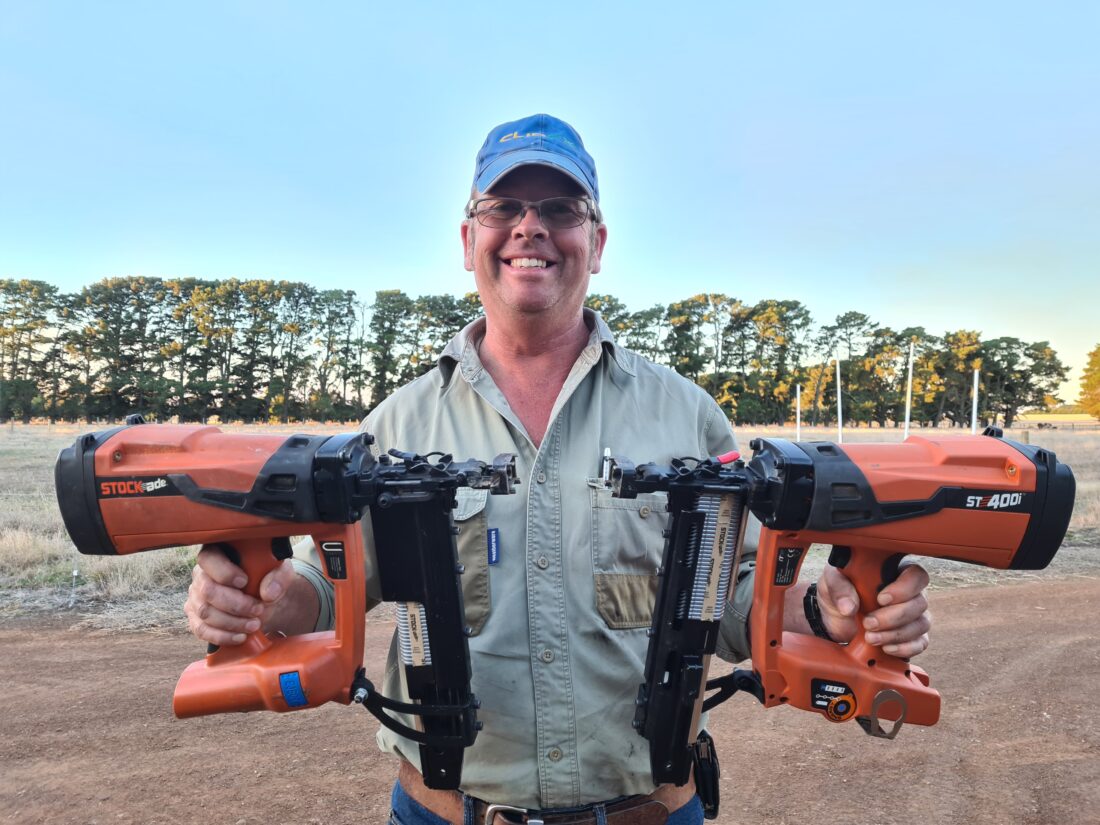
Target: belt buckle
{"type": "Point", "coordinates": [492, 811]}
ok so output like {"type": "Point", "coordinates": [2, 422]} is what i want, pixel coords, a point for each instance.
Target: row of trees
{"type": "Point", "coordinates": [1090, 384]}
{"type": "Point", "coordinates": [752, 357]}
{"type": "Point", "coordinates": [250, 350]}
{"type": "Point", "coordinates": [281, 350]}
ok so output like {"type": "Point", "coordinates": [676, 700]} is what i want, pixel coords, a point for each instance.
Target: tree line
{"type": "Point", "coordinates": [266, 350]}
{"type": "Point", "coordinates": [1090, 384]}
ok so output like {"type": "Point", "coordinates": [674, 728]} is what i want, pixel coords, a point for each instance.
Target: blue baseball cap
{"type": "Point", "coordinates": [541, 140]}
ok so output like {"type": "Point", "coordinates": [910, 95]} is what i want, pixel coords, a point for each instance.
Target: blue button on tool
{"type": "Point", "coordinates": [291, 685]}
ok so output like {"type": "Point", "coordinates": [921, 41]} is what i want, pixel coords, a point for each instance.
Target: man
{"type": "Point", "coordinates": [560, 614]}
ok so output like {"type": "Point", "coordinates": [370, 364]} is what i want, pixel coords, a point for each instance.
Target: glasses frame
{"type": "Point", "coordinates": [592, 210]}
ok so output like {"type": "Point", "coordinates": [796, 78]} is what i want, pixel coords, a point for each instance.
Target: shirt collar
{"type": "Point", "coordinates": [461, 351]}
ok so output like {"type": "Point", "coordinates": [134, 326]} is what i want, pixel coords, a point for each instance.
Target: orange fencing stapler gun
{"type": "Point", "coordinates": [147, 486]}
{"type": "Point", "coordinates": [976, 499]}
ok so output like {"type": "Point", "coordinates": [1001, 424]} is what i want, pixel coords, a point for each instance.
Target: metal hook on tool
{"type": "Point", "coordinates": [871, 724]}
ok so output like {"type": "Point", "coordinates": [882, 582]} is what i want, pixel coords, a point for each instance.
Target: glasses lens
{"type": "Point", "coordinates": [499, 212]}
{"type": "Point", "coordinates": [562, 213]}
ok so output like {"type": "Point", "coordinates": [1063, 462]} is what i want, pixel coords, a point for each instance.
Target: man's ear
{"type": "Point", "coordinates": [599, 240]}
{"type": "Point", "coordinates": [467, 231]}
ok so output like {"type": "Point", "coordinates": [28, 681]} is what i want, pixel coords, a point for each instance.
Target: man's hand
{"type": "Point", "coordinates": [899, 625]}
{"type": "Point", "coordinates": [217, 609]}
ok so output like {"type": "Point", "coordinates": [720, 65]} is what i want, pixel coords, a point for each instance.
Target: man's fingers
{"type": "Point", "coordinates": [218, 611]}
{"type": "Point", "coordinates": [902, 634]}
{"type": "Point", "coordinates": [212, 617]}
{"type": "Point", "coordinates": [907, 650]}
{"type": "Point", "coordinates": [910, 583]}
{"type": "Point", "coordinates": [216, 626]}
{"type": "Point", "coordinates": [214, 635]}
{"type": "Point", "coordinates": [226, 599]}
{"type": "Point", "coordinates": [217, 566]}
{"type": "Point", "coordinates": [897, 615]}
{"type": "Point", "coordinates": [277, 582]}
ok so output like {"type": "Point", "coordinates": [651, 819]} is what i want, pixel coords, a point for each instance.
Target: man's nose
{"type": "Point", "coordinates": [530, 224]}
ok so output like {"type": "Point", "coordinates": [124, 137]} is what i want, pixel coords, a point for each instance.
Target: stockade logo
{"type": "Point", "coordinates": [135, 486]}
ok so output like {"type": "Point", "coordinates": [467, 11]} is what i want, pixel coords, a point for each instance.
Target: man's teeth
{"type": "Point", "coordinates": [529, 262]}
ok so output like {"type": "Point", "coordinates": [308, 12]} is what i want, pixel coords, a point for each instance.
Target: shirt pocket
{"type": "Point", "coordinates": [473, 553]}
{"type": "Point", "coordinates": [627, 548]}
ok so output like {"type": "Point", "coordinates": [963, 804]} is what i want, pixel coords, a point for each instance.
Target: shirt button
{"type": "Point", "coordinates": [547, 655]}
{"type": "Point", "coordinates": [541, 478]}
{"type": "Point", "coordinates": [542, 562]}
{"type": "Point", "coordinates": [644, 511]}
{"type": "Point", "coordinates": [554, 754]}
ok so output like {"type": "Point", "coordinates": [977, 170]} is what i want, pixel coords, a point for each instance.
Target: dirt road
{"type": "Point", "coordinates": [88, 735]}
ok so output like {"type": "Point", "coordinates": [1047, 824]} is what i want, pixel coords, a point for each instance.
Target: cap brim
{"type": "Point", "coordinates": [492, 173]}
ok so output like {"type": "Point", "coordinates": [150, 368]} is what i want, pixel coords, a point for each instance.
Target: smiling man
{"type": "Point", "coordinates": [559, 610]}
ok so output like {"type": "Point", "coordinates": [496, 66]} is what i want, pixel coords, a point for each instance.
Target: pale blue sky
{"type": "Point", "coordinates": [935, 165]}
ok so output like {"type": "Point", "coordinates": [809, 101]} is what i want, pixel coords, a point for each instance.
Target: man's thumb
{"type": "Point", "coordinates": [841, 593]}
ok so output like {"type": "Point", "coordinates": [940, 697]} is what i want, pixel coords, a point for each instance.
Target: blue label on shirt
{"type": "Point", "coordinates": [494, 545]}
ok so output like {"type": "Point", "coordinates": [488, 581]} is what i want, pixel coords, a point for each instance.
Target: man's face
{"type": "Point", "coordinates": [528, 269]}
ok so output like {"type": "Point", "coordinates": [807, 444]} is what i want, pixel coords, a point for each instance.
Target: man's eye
{"type": "Point", "coordinates": [499, 209]}
{"type": "Point", "coordinates": [562, 208]}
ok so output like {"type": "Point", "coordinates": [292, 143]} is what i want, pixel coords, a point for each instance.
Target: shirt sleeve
{"type": "Point", "coordinates": [307, 564]}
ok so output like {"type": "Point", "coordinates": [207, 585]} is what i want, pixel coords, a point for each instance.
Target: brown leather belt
{"type": "Point", "coordinates": [650, 809]}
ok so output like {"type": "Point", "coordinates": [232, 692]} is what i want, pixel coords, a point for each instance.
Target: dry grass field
{"type": "Point", "coordinates": [37, 561]}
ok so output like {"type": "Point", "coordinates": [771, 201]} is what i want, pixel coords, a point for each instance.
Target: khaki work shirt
{"type": "Point", "coordinates": [559, 619]}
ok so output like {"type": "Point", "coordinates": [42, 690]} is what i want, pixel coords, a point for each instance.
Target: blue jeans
{"type": "Point", "coordinates": [407, 811]}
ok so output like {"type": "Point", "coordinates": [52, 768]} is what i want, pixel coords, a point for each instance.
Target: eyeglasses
{"type": "Point", "coordinates": [555, 213]}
